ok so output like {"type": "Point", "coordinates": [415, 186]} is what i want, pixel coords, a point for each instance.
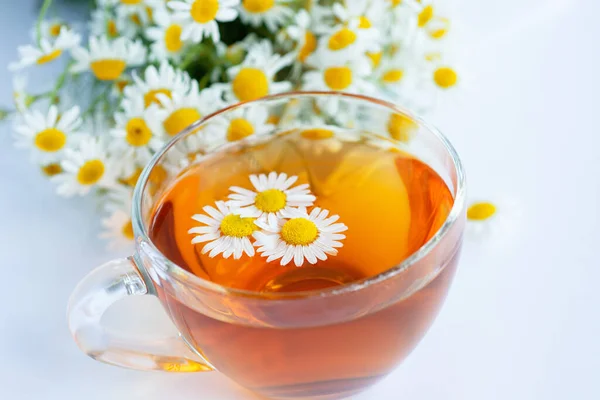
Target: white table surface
{"type": "Point", "coordinates": [522, 318]}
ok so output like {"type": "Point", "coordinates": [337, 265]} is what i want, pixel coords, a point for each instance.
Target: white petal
{"type": "Point", "coordinates": [206, 237]}
{"type": "Point", "coordinates": [203, 229]}
{"type": "Point", "coordinates": [248, 248]}
{"type": "Point", "coordinates": [289, 254]}
{"type": "Point", "coordinates": [213, 213]}
{"type": "Point", "coordinates": [309, 255]}
{"type": "Point", "coordinates": [298, 256]}
{"type": "Point", "coordinates": [226, 14]}
{"type": "Point", "coordinates": [242, 191]}
{"type": "Point", "coordinates": [204, 219]}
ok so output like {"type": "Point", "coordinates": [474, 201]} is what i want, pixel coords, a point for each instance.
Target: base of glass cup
{"type": "Point", "coordinates": [327, 390]}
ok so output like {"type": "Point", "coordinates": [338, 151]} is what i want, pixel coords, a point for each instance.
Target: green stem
{"type": "Point", "coordinates": [60, 81]}
{"type": "Point", "coordinates": [101, 97]}
{"type": "Point", "coordinates": [38, 27]}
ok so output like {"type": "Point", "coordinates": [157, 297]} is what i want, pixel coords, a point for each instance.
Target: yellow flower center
{"type": "Point", "coordinates": [50, 140]}
{"type": "Point", "coordinates": [438, 33]}
{"type": "Point", "coordinates": [111, 28]}
{"type": "Point", "coordinates": [131, 2]}
{"type": "Point", "coordinates": [270, 200]}
{"type": "Point", "coordinates": [375, 58]}
{"type": "Point", "coordinates": [341, 39]}
{"type": "Point", "coordinates": [309, 46]}
{"type": "Point", "coordinates": [151, 97]}
{"type": "Point", "coordinates": [46, 58]}
{"type": "Point", "coordinates": [173, 40]}
{"type": "Point", "coordinates": [135, 19]}
{"type": "Point", "coordinates": [392, 76]}
{"type": "Point", "coordinates": [52, 169]}
{"type": "Point", "coordinates": [55, 29]}
{"type": "Point", "coordinates": [132, 180]}
{"type": "Point", "coordinates": [445, 77]}
{"type": "Point", "coordinates": [127, 230]}
{"type": "Point", "coordinates": [299, 232]}
{"type": "Point", "coordinates": [338, 78]}
{"type": "Point", "coordinates": [273, 119]}
{"type": "Point", "coordinates": [364, 23]}
{"type": "Point", "coordinates": [236, 226]}
{"type": "Point", "coordinates": [425, 15]}
{"type": "Point", "coordinates": [481, 211]}
{"type": "Point", "coordinates": [203, 11]}
{"type": "Point", "coordinates": [180, 119]}
{"type": "Point", "coordinates": [250, 84]}
{"type": "Point", "coordinates": [90, 172]}
{"type": "Point", "coordinates": [400, 127]}
{"type": "Point", "coordinates": [121, 84]}
{"type": "Point", "coordinates": [150, 13]}
{"type": "Point", "coordinates": [396, 3]}
{"type": "Point", "coordinates": [258, 6]}
{"type": "Point", "coordinates": [109, 69]}
{"type": "Point", "coordinates": [238, 129]}
{"type": "Point", "coordinates": [317, 134]}
{"type": "Point", "coordinates": [138, 133]}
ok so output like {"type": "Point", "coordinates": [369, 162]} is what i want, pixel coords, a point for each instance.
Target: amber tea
{"type": "Point", "coordinates": [304, 211]}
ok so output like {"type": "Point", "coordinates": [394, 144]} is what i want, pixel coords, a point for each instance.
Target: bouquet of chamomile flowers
{"type": "Point", "coordinates": [140, 71]}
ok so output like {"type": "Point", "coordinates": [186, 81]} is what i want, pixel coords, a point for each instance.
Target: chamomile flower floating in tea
{"type": "Point", "coordinates": [49, 49]}
{"type": "Point", "coordinates": [47, 135]}
{"type": "Point", "coordinates": [199, 17]}
{"type": "Point", "coordinates": [164, 80]}
{"type": "Point", "coordinates": [273, 196]}
{"type": "Point", "coordinates": [273, 13]}
{"type": "Point", "coordinates": [226, 232]}
{"type": "Point", "coordinates": [84, 168]}
{"type": "Point", "coordinates": [300, 236]}
{"type": "Point", "coordinates": [108, 59]}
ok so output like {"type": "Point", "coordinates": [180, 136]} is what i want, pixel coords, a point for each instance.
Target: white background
{"type": "Point", "coordinates": [522, 320]}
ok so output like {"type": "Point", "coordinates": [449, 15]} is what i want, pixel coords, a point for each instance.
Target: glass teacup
{"type": "Point", "coordinates": [319, 343]}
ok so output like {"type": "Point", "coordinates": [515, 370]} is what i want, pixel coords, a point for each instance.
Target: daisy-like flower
{"type": "Point", "coordinates": [333, 75]}
{"type": "Point", "coordinates": [104, 23]}
{"type": "Point", "coordinates": [495, 224]}
{"type": "Point", "coordinates": [300, 32]}
{"type": "Point", "coordinates": [273, 194]}
{"type": "Point", "coordinates": [166, 37]}
{"type": "Point", "coordinates": [344, 43]}
{"type": "Point", "coordinates": [241, 123]}
{"type": "Point", "coordinates": [199, 17]}
{"type": "Point", "coordinates": [118, 230]}
{"type": "Point", "coordinates": [183, 109]}
{"type": "Point", "coordinates": [164, 80]}
{"type": "Point", "coordinates": [84, 168]}
{"type": "Point", "coordinates": [226, 232]}
{"type": "Point", "coordinates": [47, 135]}
{"type": "Point", "coordinates": [254, 77]}
{"type": "Point", "coordinates": [20, 96]}
{"type": "Point", "coordinates": [48, 50]}
{"type": "Point", "coordinates": [49, 28]}
{"type": "Point", "coordinates": [108, 60]}
{"type": "Point", "coordinates": [365, 13]}
{"type": "Point", "coordinates": [300, 236]}
{"type": "Point", "coordinates": [273, 13]}
{"type": "Point", "coordinates": [133, 138]}
{"type": "Point", "coordinates": [395, 72]}
{"type": "Point", "coordinates": [138, 11]}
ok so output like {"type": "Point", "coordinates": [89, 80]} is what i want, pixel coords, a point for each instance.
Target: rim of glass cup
{"type": "Point", "coordinates": [190, 279]}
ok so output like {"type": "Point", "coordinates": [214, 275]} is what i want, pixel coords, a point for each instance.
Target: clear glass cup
{"type": "Point", "coordinates": [302, 357]}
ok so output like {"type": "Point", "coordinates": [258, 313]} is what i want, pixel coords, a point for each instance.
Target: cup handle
{"type": "Point", "coordinates": [94, 295]}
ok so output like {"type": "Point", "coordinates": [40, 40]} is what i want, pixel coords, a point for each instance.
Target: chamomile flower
{"type": "Point", "coordinates": [396, 72]}
{"type": "Point", "coordinates": [166, 37]}
{"type": "Point", "coordinates": [199, 17]}
{"type": "Point", "coordinates": [302, 35]}
{"type": "Point", "coordinates": [108, 59]}
{"type": "Point", "coordinates": [273, 194]}
{"type": "Point", "coordinates": [48, 50]}
{"type": "Point", "coordinates": [365, 13]}
{"type": "Point", "coordinates": [183, 109]}
{"type": "Point", "coordinates": [118, 230]}
{"type": "Point", "coordinates": [241, 123]}
{"type": "Point", "coordinates": [254, 77]}
{"type": "Point", "coordinates": [84, 168]}
{"type": "Point", "coordinates": [138, 11]}
{"type": "Point", "coordinates": [273, 13]}
{"type": "Point", "coordinates": [164, 80]}
{"type": "Point", "coordinates": [323, 139]}
{"type": "Point", "coordinates": [343, 43]}
{"type": "Point", "coordinates": [430, 22]}
{"type": "Point", "coordinates": [333, 75]}
{"type": "Point", "coordinates": [225, 231]}
{"type": "Point", "coordinates": [49, 28]}
{"type": "Point", "coordinates": [47, 135]}
{"type": "Point", "coordinates": [104, 23]}
{"type": "Point", "coordinates": [300, 236]}
{"type": "Point", "coordinates": [495, 223]}
{"type": "Point", "coordinates": [133, 138]}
